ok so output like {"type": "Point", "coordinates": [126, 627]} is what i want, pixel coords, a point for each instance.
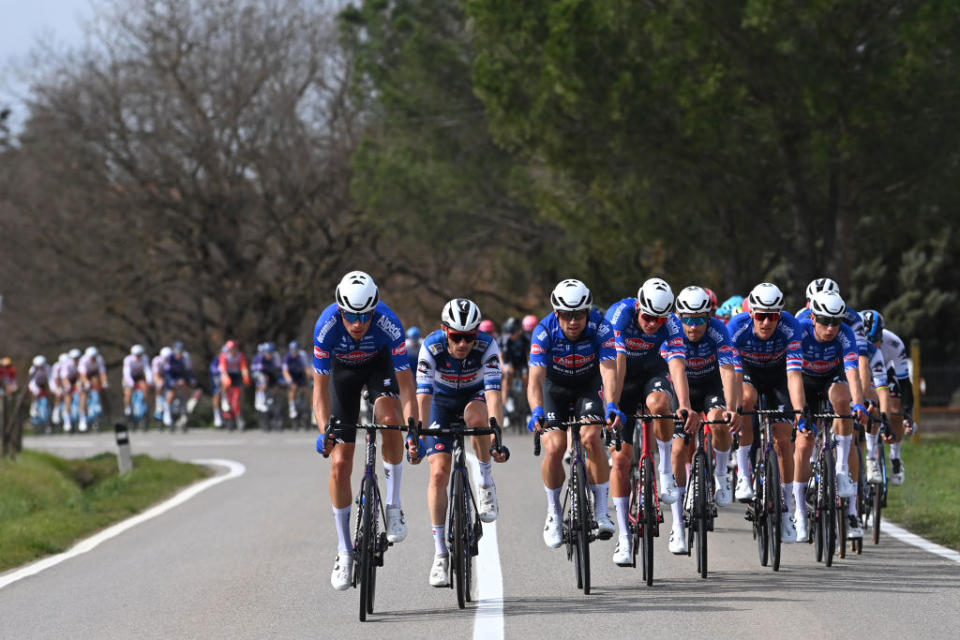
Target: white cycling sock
{"type": "Point", "coordinates": [622, 505]}
{"type": "Point", "coordinates": [852, 503]}
{"type": "Point", "coordinates": [342, 519]}
{"type": "Point", "coordinates": [722, 458]}
{"type": "Point", "coordinates": [439, 540]}
{"type": "Point", "coordinates": [800, 496]}
{"type": "Point", "coordinates": [788, 496]}
{"type": "Point", "coordinates": [895, 450]}
{"type": "Point", "coordinates": [743, 462]}
{"type": "Point", "coordinates": [677, 508]}
{"type": "Point", "coordinates": [553, 500]}
{"type": "Point", "coordinates": [393, 473]}
{"type": "Point", "coordinates": [601, 493]}
{"type": "Point", "coordinates": [872, 446]}
{"type": "Point", "coordinates": [666, 462]}
{"type": "Point", "coordinates": [486, 472]}
{"type": "Point", "coordinates": [843, 453]}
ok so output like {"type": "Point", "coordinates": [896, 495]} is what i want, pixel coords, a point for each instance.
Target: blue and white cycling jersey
{"type": "Point", "coordinates": [438, 372]}
{"type": "Point", "coordinates": [269, 368]}
{"type": "Point", "coordinates": [852, 320]}
{"type": "Point", "coordinates": [824, 358]}
{"type": "Point", "coordinates": [644, 350]}
{"type": "Point", "coordinates": [878, 367]}
{"type": "Point", "coordinates": [569, 363]}
{"type": "Point", "coordinates": [331, 339]}
{"type": "Point", "coordinates": [895, 354]}
{"type": "Point", "coordinates": [714, 349]}
{"type": "Point", "coordinates": [783, 347]}
{"type": "Point", "coordinates": [295, 363]}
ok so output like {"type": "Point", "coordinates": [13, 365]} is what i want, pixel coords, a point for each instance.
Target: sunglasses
{"type": "Point", "coordinates": [760, 316]}
{"type": "Point", "coordinates": [355, 317]}
{"type": "Point", "coordinates": [646, 317]}
{"type": "Point", "coordinates": [572, 315]}
{"type": "Point", "coordinates": [694, 321]}
{"type": "Point", "coordinates": [829, 322]}
{"type": "Point", "coordinates": [457, 338]}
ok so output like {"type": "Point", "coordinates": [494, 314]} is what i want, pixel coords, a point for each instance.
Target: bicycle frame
{"type": "Point", "coordinates": [699, 503]}
{"type": "Point", "coordinates": [827, 504]}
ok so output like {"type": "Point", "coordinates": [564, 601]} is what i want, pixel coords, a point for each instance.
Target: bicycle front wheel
{"type": "Point", "coordinates": [829, 519]}
{"type": "Point", "coordinates": [701, 511]}
{"type": "Point", "coordinates": [365, 549]}
{"type": "Point", "coordinates": [774, 507]}
{"type": "Point", "coordinates": [649, 522]}
{"type": "Point", "coordinates": [878, 489]}
{"type": "Point", "coordinates": [461, 546]}
{"type": "Point", "coordinates": [582, 526]}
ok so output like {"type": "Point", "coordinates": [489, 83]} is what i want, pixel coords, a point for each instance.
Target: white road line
{"type": "Point", "coordinates": [236, 470]}
{"type": "Point", "coordinates": [911, 538]}
{"type": "Point", "coordinates": [488, 623]}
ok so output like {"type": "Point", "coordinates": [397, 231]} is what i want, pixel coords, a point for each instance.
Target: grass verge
{"type": "Point", "coordinates": [48, 503]}
{"type": "Point", "coordinates": [928, 503]}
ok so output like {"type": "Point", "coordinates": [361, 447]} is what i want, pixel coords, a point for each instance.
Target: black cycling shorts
{"type": "Point", "coordinates": [816, 386]}
{"type": "Point", "coordinates": [707, 393]}
{"type": "Point", "coordinates": [634, 397]}
{"type": "Point", "coordinates": [347, 384]}
{"type": "Point", "coordinates": [771, 385]}
{"type": "Point", "coordinates": [563, 403]}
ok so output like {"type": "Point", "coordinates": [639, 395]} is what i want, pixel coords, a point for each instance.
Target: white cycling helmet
{"type": "Point", "coordinates": [165, 352]}
{"type": "Point", "coordinates": [39, 361]}
{"type": "Point", "coordinates": [766, 297]}
{"type": "Point", "coordinates": [91, 352]}
{"type": "Point", "coordinates": [828, 304]}
{"type": "Point", "coordinates": [694, 300]}
{"type": "Point", "coordinates": [570, 295]}
{"type": "Point", "coordinates": [357, 293]}
{"type": "Point", "coordinates": [63, 357]}
{"type": "Point", "coordinates": [75, 354]}
{"type": "Point", "coordinates": [461, 314]}
{"type": "Point", "coordinates": [655, 298]}
{"type": "Point", "coordinates": [137, 350]}
{"type": "Point", "coordinates": [821, 284]}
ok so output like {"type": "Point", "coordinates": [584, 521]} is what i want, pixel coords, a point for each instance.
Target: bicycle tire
{"type": "Point", "coordinates": [829, 525]}
{"type": "Point", "coordinates": [649, 520]}
{"type": "Point", "coordinates": [460, 545]}
{"type": "Point", "coordinates": [878, 490]}
{"type": "Point", "coordinates": [365, 548]}
{"type": "Point", "coordinates": [774, 505]}
{"type": "Point", "coordinates": [583, 526]}
{"type": "Point", "coordinates": [701, 509]}
{"type": "Point", "coordinates": [636, 514]}
{"type": "Point", "coordinates": [843, 527]}
{"type": "Point", "coordinates": [760, 521]}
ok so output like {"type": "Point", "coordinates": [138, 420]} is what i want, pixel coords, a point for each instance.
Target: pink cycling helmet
{"type": "Point", "coordinates": [487, 326]}
{"type": "Point", "coordinates": [529, 322]}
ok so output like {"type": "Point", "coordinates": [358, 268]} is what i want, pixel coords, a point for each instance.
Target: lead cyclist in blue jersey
{"type": "Point", "coordinates": [572, 355]}
{"type": "Point", "coordinates": [768, 341]}
{"type": "Point", "coordinates": [458, 374]}
{"type": "Point", "coordinates": [830, 365]}
{"type": "Point", "coordinates": [651, 372]}
{"type": "Point", "coordinates": [357, 342]}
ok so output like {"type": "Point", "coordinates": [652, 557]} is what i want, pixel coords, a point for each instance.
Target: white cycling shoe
{"type": "Point", "coordinates": [342, 576]}
{"type": "Point", "coordinates": [396, 524]}
{"type": "Point", "coordinates": [898, 475]}
{"type": "Point", "coordinates": [846, 487]}
{"type": "Point", "coordinates": [723, 494]}
{"type": "Point", "coordinates": [678, 539]}
{"type": "Point", "coordinates": [744, 491]}
{"type": "Point", "coordinates": [623, 554]}
{"type": "Point", "coordinates": [553, 531]}
{"type": "Point", "coordinates": [669, 491]}
{"type": "Point", "coordinates": [439, 570]}
{"type": "Point", "coordinates": [873, 471]}
{"type": "Point", "coordinates": [788, 529]}
{"type": "Point", "coordinates": [802, 524]}
{"type": "Point", "coordinates": [489, 508]}
{"type": "Point", "coordinates": [854, 530]}
{"type": "Point", "coordinates": [605, 526]}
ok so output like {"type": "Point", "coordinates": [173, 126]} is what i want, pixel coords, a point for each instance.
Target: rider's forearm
{"type": "Point", "coordinates": [795, 387]}
{"type": "Point", "coordinates": [611, 385]}
{"type": "Point", "coordinates": [424, 401]}
{"type": "Point", "coordinates": [853, 381]}
{"type": "Point", "coordinates": [535, 387]}
{"type": "Point", "coordinates": [678, 373]}
{"type": "Point", "coordinates": [408, 395]}
{"type": "Point", "coordinates": [728, 376]}
{"type": "Point", "coordinates": [494, 404]}
{"type": "Point", "coordinates": [321, 399]}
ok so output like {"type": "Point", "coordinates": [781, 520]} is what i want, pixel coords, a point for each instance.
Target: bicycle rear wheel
{"type": "Point", "coordinates": [878, 489]}
{"type": "Point", "coordinates": [461, 546]}
{"type": "Point", "coordinates": [773, 507]}
{"type": "Point", "coordinates": [583, 527]}
{"type": "Point", "coordinates": [649, 521]}
{"type": "Point", "coordinates": [829, 522]}
{"type": "Point", "coordinates": [365, 549]}
{"type": "Point", "coordinates": [843, 526]}
{"type": "Point", "coordinates": [700, 510]}
{"type": "Point", "coordinates": [760, 520]}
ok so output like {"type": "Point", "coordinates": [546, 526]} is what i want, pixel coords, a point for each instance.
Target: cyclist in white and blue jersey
{"type": "Point", "coordinates": [458, 376]}
{"type": "Point", "coordinates": [651, 372]}
{"type": "Point", "coordinates": [572, 357]}
{"type": "Point", "coordinates": [712, 367]}
{"type": "Point", "coordinates": [768, 341]}
{"type": "Point", "coordinates": [357, 342]}
{"type": "Point", "coordinates": [294, 369]}
{"type": "Point", "coordinates": [879, 395]}
{"type": "Point", "coordinates": [830, 366]}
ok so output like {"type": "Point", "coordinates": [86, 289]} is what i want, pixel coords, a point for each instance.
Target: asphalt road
{"type": "Point", "coordinates": [251, 558]}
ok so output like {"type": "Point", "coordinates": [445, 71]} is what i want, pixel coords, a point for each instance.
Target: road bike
{"type": "Point", "coordinates": [699, 504]}
{"type": "Point", "coordinates": [231, 407]}
{"type": "Point", "coordinates": [370, 537]}
{"type": "Point", "coordinates": [139, 409]}
{"type": "Point", "coordinates": [875, 495]}
{"type": "Point", "coordinates": [40, 413]}
{"type": "Point", "coordinates": [827, 512]}
{"type": "Point", "coordinates": [464, 528]}
{"type": "Point", "coordinates": [270, 417]}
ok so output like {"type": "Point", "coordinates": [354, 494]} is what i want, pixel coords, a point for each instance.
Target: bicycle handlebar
{"type": "Point", "coordinates": [459, 428]}
{"type": "Point", "coordinates": [585, 421]}
{"type": "Point", "coordinates": [334, 429]}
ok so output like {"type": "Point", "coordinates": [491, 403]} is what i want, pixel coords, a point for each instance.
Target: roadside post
{"type": "Point", "coordinates": [915, 356]}
{"type": "Point", "coordinates": [124, 458]}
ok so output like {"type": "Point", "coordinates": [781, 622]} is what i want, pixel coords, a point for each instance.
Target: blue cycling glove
{"type": "Point", "coordinates": [321, 443]}
{"type": "Point", "coordinates": [614, 409]}
{"type": "Point", "coordinates": [537, 415]}
{"type": "Point", "coordinates": [860, 407]}
{"type": "Point", "coordinates": [421, 448]}
{"type": "Point", "coordinates": [802, 426]}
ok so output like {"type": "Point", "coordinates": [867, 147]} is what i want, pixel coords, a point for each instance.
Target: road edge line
{"type": "Point", "coordinates": [488, 622]}
{"type": "Point", "coordinates": [904, 535]}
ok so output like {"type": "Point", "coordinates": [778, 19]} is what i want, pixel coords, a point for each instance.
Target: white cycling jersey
{"type": "Point", "coordinates": [157, 366]}
{"type": "Point", "coordinates": [136, 367]}
{"type": "Point", "coordinates": [92, 365]}
{"type": "Point", "coordinates": [68, 370]}
{"type": "Point", "coordinates": [40, 379]}
{"type": "Point", "coordinates": [895, 354]}
{"type": "Point", "coordinates": [878, 369]}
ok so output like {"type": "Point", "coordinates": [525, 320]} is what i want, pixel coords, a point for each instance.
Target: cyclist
{"type": "Point", "coordinates": [8, 377]}
{"type": "Point", "coordinates": [514, 355]}
{"type": "Point", "coordinates": [726, 310]}
{"type": "Point", "coordinates": [215, 388]}
{"type": "Point", "coordinates": [768, 340]}
{"type": "Point", "coordinates": [39, 382]}
{"type": "Point", "coordinates": [358, 340]}
{"type": "Point", "coordinates": [294, 369]}
{"type": "Point", "coordinates": [136, 370]}
{"type": "Point", "coordinates": [177, 373]}
{"type": "Point", "coordinates": [712, 367]}
{"type": "Point", "coordinates": [488, 327]}
{"type": "Point", "coordinates": [159, 382]}
{"type": "Point", "coordinates": [879, 397]}
{"type": "Point", "coordinates": [93, 374]}
{"type": "Point", "coordinates": [267, 373]}
{"type": "Point", "coordinates": [830, 365]}
{"type": "Point", "coordinates": [649, 343]}
{"type": "Point", "coordinates": [572, 358]}
{"type": "Point", "coordinates": [56, 388]}
{"type": "Point", "coordinates": [69, 377]}
{"type": "Point", "coordinates": [458, 373]}
{"type": "Point", "coordinates": [234, 371]}
{"type": "Point", "coordinates": [898, 381]}
{"type": "Point", "coordinates": [413, 346]}
{"type": "Point", "coordinates": [529, 323]}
